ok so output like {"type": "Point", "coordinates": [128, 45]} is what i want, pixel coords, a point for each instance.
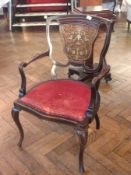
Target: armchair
{"type": "Point", "coordinates": [65, 100]}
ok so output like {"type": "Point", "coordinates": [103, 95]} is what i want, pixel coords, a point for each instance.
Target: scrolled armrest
{"type": "Point", "coordinates": [22, 90]}
{"type": "Point", "coordinates": [90, 114]}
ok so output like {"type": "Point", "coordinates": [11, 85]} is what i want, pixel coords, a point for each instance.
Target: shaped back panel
{"type": "Point", "coordinates": [85, 39]}
{"type": "Point", "coordinates": [79, 40]}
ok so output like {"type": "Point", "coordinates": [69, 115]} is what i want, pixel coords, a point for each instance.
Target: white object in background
{"type": "Point", "coordinates": [128, 5]}
{"type": "Point", "coordinates": [1, 11]}
{"type": "Point", "coordinates": [2, 4]}
{"type": "Point", "coordinates": [124, 7]}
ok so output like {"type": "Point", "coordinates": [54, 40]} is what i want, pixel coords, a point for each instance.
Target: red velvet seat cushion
{"type": "Point", "coordinates": [64, 98]}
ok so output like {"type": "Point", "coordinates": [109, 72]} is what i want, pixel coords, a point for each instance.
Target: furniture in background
{"type": "Point", "coordinates": [109, 4]}
{"type": "Point", "coordinates": [90, 2]}
{"type": "Point", "coordinates": [119, 2]}
{"type": "Point", "coordinates": [29, 13]}
{"type": "Point", "coordinates": [99, 10]}
{"type": "Point", "coordinates": [8, 3]}
{"type": "Point", "coordinates": [1, 11]}
{"type": "Point", "coordinates": [128, 4]}
{"type": "Point", "coordinates": [126, 8]}
{"type": "Point", "coordinates": [65, 100]}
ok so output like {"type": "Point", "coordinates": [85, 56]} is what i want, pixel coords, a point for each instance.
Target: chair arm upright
{"type": "Point", "coordinates": [95, 97]}
{"type": "Point", "coordinates": [22, 90]}
{"type": "Point", "coordinates": [96, 80]}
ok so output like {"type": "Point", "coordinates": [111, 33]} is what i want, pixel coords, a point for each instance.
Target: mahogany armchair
{"type": "Point", "coordinates": [64, 100]}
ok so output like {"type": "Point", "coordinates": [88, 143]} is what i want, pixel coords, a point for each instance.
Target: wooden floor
{"type": "Point", "coordinates": [50, 149]}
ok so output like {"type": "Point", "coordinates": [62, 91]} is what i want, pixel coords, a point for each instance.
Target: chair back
{"type": "Point", "coordinates": [82, 36]}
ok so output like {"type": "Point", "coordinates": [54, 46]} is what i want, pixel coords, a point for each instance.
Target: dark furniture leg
{"type": "Point", "coordinates": [128, 25]}
{"type": "Point", "coordinates": [72, 72]}
{"type": "Point", "coordinates": [108, 77]}
{"type": "Point", "coordinates": [97, 121]}
{"type": "Point", "coordinates": [83, 135]}
{"type": "Point", "coordinates": [15, 115]}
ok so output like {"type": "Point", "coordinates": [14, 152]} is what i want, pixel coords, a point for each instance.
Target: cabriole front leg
{"type": "Point", "coordinates": [97, 121]}
{"type": "Point", "coordinates": [15, 115]}
{"type": "Point", "coordinates": [83, 135]}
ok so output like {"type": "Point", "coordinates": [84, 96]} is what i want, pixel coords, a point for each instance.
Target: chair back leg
{"type": "Point", "coordinates": [128, 25]}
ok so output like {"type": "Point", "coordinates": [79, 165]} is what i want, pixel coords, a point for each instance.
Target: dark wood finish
{"type": "Point", "coordinates": [92, 110]}
{"type": "Point", "coordinates": [129, 22]}
{"type": "Point", "coordinates": [49, 149]}
{"type": "Point", "coordinates": [96, 10]}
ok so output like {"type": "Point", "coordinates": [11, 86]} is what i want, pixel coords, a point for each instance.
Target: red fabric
{"type": "Point", "coordinates": [46, 8]}
{"type": "Point", "coordinates": [65, 98]}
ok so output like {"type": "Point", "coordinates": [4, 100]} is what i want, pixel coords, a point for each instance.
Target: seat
{"type": "Point", "coordinates": [61, 99]}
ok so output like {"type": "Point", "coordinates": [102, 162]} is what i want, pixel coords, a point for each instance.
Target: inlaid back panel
{"type": "Point", "coordinates": [84, 39]}
{"type": "Point", "coordinates": [78, 40]}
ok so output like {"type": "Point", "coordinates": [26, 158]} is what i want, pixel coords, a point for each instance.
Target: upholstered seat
{"type": "Point", "coordinates": [67, 99]}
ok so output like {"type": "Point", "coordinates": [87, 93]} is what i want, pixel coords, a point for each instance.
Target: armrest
{"type": "Point", "coordinates": [91, 112]}
{"type": "Point", "coordinates": [22, 90]}
{"type": "Point", "coordinates": [96, 80]}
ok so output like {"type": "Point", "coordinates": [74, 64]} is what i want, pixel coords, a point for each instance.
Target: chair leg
{"type": "Point", "coordinates": [108, 77]}
{"type": "Point", "coordinates": [72, 72]}
{"type": "Point", "coordinates": [83, 135]}
{"type": "Point", "coordinates": [128, 26]}
{"type": "Point", "coordinates": [15, 116]}
{"type": "Point", "coordinates": [97, 121]}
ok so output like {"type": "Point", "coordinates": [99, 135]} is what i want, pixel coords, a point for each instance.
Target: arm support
{"type": "Point", "coordinates": [22, 90]}
{"type": "Point", "coordinates": [96, 80]}
{"type": "Point", "coordinates": [95, 97]}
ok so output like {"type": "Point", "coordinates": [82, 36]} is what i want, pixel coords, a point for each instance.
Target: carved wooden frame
{"type": "Point", "coordinates": [81, 128]}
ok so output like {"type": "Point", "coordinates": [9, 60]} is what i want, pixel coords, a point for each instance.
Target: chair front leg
{"type": "Point", "coordinates": [108, 77]}
{"type": "Point", "coordinates": [97, 121]}
{"type": "Point", "coordinates": [15, 115]}
{"type": "Point", "coordinates": [83, 135]}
